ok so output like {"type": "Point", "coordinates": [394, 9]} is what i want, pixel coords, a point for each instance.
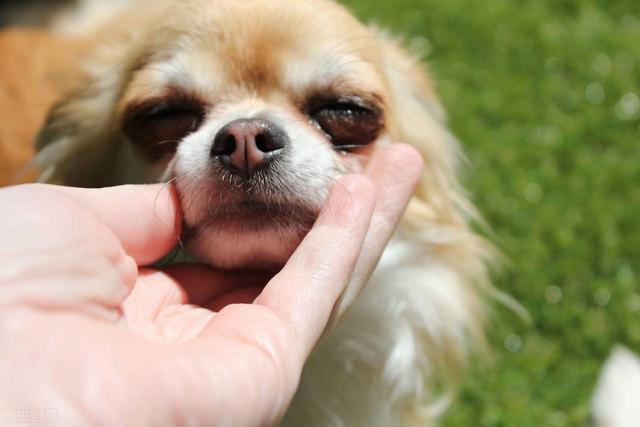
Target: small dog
{"type": "Point", "coordinates": [252, 109]}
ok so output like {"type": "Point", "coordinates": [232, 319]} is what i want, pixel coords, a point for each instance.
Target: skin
{"type": "Point", "coordinates": [97, 338]}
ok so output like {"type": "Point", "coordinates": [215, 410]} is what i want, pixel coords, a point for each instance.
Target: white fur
{"type": "Point", "coordinates": [616, 401]}
{"type": "Point", "coordinates": [381, 363]}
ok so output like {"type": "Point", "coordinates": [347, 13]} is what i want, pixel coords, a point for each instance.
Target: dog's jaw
{"type": "Point", "coordinates": [268, 248]}
{"type": "Point", "coordinates": [244, 230]}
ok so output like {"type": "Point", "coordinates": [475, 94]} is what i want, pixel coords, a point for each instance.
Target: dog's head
{"type": "Point", "coordinates": [253, 109]}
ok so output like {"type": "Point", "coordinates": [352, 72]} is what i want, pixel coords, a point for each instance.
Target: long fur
{"type": "Point", "coordinates": [395, 358]}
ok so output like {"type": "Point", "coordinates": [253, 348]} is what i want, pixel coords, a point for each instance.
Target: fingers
{"type": "Point", "coordinates": [145, 218]}
{"type": "Point", "coordinates": [60, 254]}
{"type": "Point", "coordinates": [395, 171]}
{"type": "Point", "coordinates": [276, 333]}
{"type": "Point", "coordinates": [303, 294]}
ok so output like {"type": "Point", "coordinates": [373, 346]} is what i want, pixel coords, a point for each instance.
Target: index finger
{"type": "Point", "coordinates": [302, 295]}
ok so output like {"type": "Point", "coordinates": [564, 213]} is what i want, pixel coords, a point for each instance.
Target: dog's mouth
{"type": "Point", "coordinates": [250, 213]}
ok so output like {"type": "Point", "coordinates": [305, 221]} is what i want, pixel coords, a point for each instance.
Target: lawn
{"type": "Point", "coordinates": [544, 95]}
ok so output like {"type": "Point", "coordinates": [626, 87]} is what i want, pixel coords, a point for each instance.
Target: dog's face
{"type": "Point", "coordinates": [254, 108]}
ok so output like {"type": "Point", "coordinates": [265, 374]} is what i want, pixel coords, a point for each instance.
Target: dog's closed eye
{"type": "Point", "coordinates": [156, 127]}
{"type": "Point", "coordinates": [348, 122]}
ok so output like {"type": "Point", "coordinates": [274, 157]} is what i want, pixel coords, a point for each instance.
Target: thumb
{"type": "Point", "coordinates": [79, 249]}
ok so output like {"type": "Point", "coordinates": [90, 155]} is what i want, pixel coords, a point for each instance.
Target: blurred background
{"type": "Point", "coordinates": [545, 98]}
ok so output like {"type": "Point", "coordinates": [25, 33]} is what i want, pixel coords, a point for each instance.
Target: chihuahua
{"type": "Point", "coordinates": [252, 109]}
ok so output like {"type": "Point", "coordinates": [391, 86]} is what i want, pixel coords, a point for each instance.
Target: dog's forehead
{"type": "Point", "coordinates": [258, 46]}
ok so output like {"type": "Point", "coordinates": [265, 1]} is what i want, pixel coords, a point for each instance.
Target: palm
{"type": "Point", "coordinates": [161, 309]}
{"type": "Point", "coordinates": [158, 349]}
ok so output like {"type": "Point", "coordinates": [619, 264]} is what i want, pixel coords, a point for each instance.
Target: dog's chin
{"type": "Point", "coordinates": [250, 234]}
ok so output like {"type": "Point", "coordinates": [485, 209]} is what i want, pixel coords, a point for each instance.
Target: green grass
{"type": "Point", "coordinates": [544, 97]}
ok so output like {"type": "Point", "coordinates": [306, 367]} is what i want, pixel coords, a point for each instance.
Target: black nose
{"type": "Point", "coordinates": [245, 145]}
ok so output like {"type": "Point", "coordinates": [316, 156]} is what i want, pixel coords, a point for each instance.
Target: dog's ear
{"type": "Point", "coordinates": [79, 141]}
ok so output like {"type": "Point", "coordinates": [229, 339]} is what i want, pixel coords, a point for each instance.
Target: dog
{"type": "Point", "coordinates": [252, 109]}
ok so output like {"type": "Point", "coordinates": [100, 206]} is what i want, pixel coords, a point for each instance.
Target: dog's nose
{"type": "Point", "coordinates": [245, 145]}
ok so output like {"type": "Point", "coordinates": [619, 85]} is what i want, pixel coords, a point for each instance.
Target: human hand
{"type": "Point", "coordinates": [87, 330]}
